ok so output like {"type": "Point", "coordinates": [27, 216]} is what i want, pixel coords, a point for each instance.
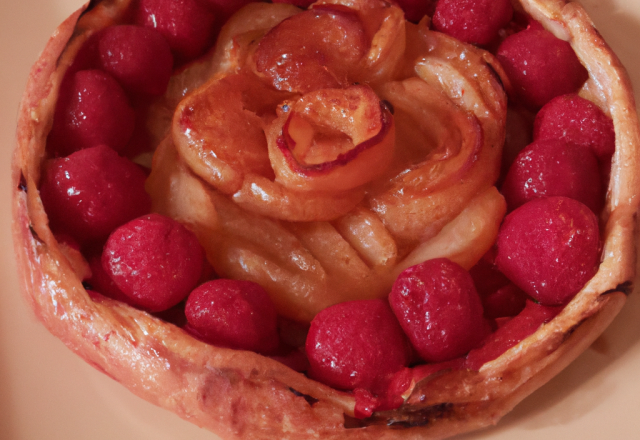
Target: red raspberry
{"type": "Point", "coordinates": [439, 309]}
{"type": "Point", "coordinates": [102, 283]}
{"type": "Point", "coordinates": [91, 192]}
{"type": "Point", "coordinates": [356, 344]}
{"type": "Point", "coordinates": [414, 10]}
{"type": "Point", "coordinates": [578, 121]}
{"type": "Point", "coordinates": [140, 58]}
{"type": "Point", "coordinates": [506, 301]}
{"type": "Point", "coordinates": [499, 296]}
{"type": "Point", "coordinates": [549, 248]}
{"type": "Point", "coordinates": [154, 260]}
{"type": "Point", "coordinates": [233, 314]}
{"type": "Point", "coordinates": [92, 110]}
{"type": "Point", "coordinates": [472, 21]}
{"type": "Point", "coordinates": [540, 67]}
{"type": "Point", "coordinates": [187, 25]}
{"type": "Point", "coordinates": [512, 332]}
{"type": "Point", "coordinates": [486, 277]}
{"type": "Point", "coordinates": [554, 168]}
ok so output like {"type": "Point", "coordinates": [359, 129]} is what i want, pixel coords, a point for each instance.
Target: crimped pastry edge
{"type": "Point", "coordinates": [210, 386]}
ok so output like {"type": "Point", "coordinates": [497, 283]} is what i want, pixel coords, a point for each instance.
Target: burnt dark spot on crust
{"type": "Point", "coordinates": [404, 418]}
{"type": "Point", "coordinates": [353, 423]}
{"type": "Point", "coordinates": [310, 400]}
{"type": "Point", "coordinates": [569, 332]}
{"type": "Point", "coordinates": [422, 417]}
{"type": "Point", "coordinates": [92, 4]}
{"type": "Point", "coordinates": [626, 288]}
{"type": "Point", "coordinates": [35, 234]}
{"type": "Point", "coordinates": [22, 185]}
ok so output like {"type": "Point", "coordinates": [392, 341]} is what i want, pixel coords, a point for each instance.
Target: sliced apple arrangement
{"type": "Point", "coordinates": [342, 219]}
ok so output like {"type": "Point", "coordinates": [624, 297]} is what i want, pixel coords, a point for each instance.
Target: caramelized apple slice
{"type": "Point", "coordinates": [218, 130]}
{"type": "Point", "coordinates": [356, 195]}
{"type": "Point", "coordinates": [266, 197]}
{"type": "Point", "coordinates": [423, 197]}
{"type": "Point", "coordinates": [312, 50]}
{"type": "Point", "coordinates": [233, 46]}
{"type": "Point", "coordinates": [466, 238]}
{"type": "Point", "coordinates": [331, 140]}
{"type": "Point", "coordinates": [451, 126]}
{"type": "Point", "coordinates": [384, 27]}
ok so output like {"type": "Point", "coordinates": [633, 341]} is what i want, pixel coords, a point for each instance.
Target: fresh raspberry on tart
{"type": "Point", "coordinates": [92, 110]}
{"type": "Point", "coordinates": [554, 167]}
{"type": "Point", "coordinates": [139, 58]}
{"type": "Point", "coordinates": [154, 261]}
{"type": "Point", "coordinates": [356, 345]}
{"type": "Point", "coordinates": [472, 21]}
{"type": "Point", "coordinates": [579, 121]}
{"type": "Point", "coordinates": [91, 192]}
{"type": "Point", "coordinates": [439, 309]}
{"type": "Point", "coordinates": [235, 314]}
{"type": "Point", "coordinates": [540, 67]}
{"type": "Point", "coordinates": [324, 155]}
{"type": "Point", "coordinates": [187, 25]}
{"type": "Point", "coordinates": [549, 247]}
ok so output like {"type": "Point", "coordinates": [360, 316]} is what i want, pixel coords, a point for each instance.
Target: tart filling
{"type": "Point", "coordinates": [325, 206]}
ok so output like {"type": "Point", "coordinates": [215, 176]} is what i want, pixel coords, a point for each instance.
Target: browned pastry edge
{"type": "Point", "coordinates": [243, 395]}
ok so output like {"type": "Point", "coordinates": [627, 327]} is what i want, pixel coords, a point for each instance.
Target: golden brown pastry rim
{"type": "Point", "coordinates": [243, 395]}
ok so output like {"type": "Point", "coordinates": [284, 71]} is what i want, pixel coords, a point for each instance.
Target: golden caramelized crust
{"type": "Point", "coordinates": [242, 395]}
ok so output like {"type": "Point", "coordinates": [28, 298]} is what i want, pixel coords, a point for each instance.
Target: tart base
{"type": "Point", "coordinates": [37, 250]}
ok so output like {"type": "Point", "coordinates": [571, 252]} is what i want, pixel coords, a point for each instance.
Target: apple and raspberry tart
{"type": "Point", "coordinates": [335, 219]}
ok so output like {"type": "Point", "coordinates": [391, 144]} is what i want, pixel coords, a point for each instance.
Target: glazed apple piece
{"type": "Point", "coordinates": [331, 148]}
{"type": "Point", "coordinates": [470, 107]}
{"type": "Point", "coordinates": [219, 132]}
{"type": "Point", "coordinates": [333, 44]}
{"type": "Point", "coordinates": [233, 46]}
{"type": "Point", "coordinates": [466, 238]}
{"type": "Point", "coordinates": [311, 50]}
{"type": "Point", "coordinates": [347, 251]}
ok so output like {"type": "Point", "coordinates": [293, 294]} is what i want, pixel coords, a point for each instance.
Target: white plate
{"type": "Point", "coordinates": [48, 393]}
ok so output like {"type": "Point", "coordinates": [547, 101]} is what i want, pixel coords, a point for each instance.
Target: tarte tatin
{"type": "Point", "coordinates": [285, 205]}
